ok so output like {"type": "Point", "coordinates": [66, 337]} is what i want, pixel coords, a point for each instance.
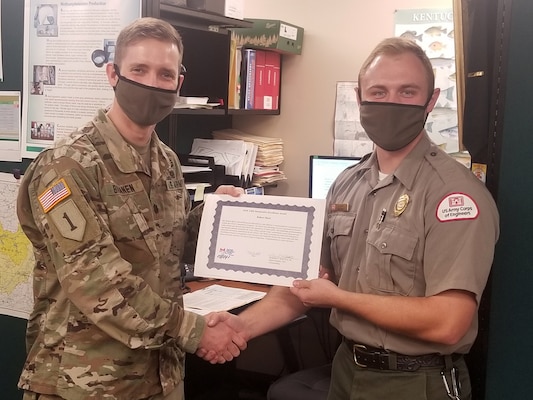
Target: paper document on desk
{"type": "Point", "coordinates": [219, 298]}
{"type": "Point", "coordinates": [229, 153]}
{"type": "Point", "coordinates": [261, 239]}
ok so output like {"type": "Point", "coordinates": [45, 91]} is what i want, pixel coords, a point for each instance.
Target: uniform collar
{"type": "Point", "coordinates": [408, 168]}
{"type": "Point", "coordinates": [122, 153]}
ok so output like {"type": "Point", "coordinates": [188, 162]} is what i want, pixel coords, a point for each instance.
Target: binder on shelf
{"type": "Point", "coordinates": [260, 87]}
{"type": "Point", "coordinates": [273, 71]}
{"type": "Point", "coordinates": [234, 84]}
{"type": "Point", "coordinates": [247, 79]}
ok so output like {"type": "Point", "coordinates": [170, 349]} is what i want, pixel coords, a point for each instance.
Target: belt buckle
{"type": "Point", "coordinates": [362, 347]}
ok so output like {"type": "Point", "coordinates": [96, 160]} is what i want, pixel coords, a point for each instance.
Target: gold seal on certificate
{"type": "Point", "coordinates": [261, 239]}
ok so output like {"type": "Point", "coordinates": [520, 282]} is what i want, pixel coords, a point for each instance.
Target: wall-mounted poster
{"type": "Point", "coordinates": [433, 30]}
{"type": "Point", "coordinates": [69, 42]}
{"type": "Point", "coordinates": [1, 61]}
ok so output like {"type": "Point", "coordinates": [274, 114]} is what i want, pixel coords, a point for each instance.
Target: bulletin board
{"type": "Point", "coordinates": [12, 57]}
{"type": "Point", "coordinates": [12, 330]}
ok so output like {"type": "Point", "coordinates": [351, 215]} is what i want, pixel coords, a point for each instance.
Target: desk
{"type": "Point", "coordinates": [195, 285]}
{"type": "Point", "coordinates": [288, 349]}
{"type": "Point", "coordinates": [226, 381]}
{"type": "Point", "coordinates": [282, 334]}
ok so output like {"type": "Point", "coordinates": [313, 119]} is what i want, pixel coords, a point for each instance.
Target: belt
{"type": "Point", "coordinates": [373, 357]}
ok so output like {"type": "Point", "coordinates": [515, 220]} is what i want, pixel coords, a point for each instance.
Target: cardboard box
{"type": "Point", "coordinates": [270, 34]}
{"type": "Point", "coordinates": [227, 8]}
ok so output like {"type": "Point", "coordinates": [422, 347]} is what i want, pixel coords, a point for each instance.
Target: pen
{"type": "Point", "coordinates": [381, 217]}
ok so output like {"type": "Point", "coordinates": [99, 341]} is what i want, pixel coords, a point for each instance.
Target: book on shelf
{"type": "Point", "coordinates": [272, 72]}
{"type": "Point", "coordinates": [248, 79]}
{"type": "Point", "coordinates": [260, 87]}
{"type": "Point", "coordinates": [234, 85]}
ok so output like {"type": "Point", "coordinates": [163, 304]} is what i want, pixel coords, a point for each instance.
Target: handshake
{"type": "Point", "coordinates": [223, 339]}
{"type": "Point", "coordinates": [226, 334]}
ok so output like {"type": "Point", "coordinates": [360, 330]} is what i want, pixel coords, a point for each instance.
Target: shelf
{"type": "Point", "coordinates": [222, 111]}
{"type": "Point", "coordinates": [199, 111]}
{"type": "Point", "coordinates": [203, 20]}
{"type": "Point", "coordinates": [253, 112]}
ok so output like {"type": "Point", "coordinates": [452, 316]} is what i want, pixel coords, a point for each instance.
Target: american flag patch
{"type": "Point", "coordinates": [53, 195]}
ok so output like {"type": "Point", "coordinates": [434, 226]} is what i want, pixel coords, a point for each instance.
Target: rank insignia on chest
{"type": "Point", "coordinates": [173, 184]}
{"type": "Point", "coordinates": [401, 205]}
{"type": "Point", "coordinates": [53, 195]}
{"type": "Point", "coordinates": [339, 207]}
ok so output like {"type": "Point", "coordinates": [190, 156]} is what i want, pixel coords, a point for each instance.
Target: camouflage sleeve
{"type": "Point", "coordinates": [90, 269]}
{"type": "Point", "coordinates": [193, 228]}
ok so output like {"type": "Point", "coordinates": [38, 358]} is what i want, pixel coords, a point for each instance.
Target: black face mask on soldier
{"type": "Point", "coordinates": [392, 126]}
{"type": "Point", "coordinates": [144, 105]}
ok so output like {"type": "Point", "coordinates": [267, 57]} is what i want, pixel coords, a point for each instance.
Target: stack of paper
{"type": "Point", "coordinates": [194, 102]}
{"type": "Point", "coordinates": [264, 176]}
{"type": "Point", "coordinates": [219, 298]}
{"type": "Point", "coordinates": [269, 155]}
{"type": "Point", "coordinates": [269, 150]}
{"type": "Point", "coordinates": [237, 156]}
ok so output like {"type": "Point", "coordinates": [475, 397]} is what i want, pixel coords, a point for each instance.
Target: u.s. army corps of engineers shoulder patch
{"type": "Point", "coordinates": [457, 207]}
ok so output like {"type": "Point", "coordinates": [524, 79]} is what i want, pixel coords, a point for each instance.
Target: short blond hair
{"type": "Point", "coordinates": [395, 46]}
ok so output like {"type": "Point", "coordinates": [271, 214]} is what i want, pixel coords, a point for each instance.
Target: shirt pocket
{"type": "Point", "coordinates": [390, 265]}
{"type": "Point", "coordinates": [339, 232]}
{"type": "Point", "coordinates": [130, 228]}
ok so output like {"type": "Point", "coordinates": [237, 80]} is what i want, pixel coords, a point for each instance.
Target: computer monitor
{"type": "Point", "coordinates": [323, 170]}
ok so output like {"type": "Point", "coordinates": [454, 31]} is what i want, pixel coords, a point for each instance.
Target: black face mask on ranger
{"type": "Point", "coordinates": [392, 126]}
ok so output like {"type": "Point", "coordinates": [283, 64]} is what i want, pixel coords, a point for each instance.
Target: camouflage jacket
{"type": "Point", "coordinates": [108, 233]}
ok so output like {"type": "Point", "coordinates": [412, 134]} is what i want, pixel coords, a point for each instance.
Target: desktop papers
{"type": "Point", "coordinates": [230, 153]}
{"type": "Point", "coordinates": [269, 150]}
{"type": "Point", "coordinates": [264, 163]}
{"type": "Point", "coordinates": [261, 239]}
{"type": "Point", "coordinates": [219, 298]}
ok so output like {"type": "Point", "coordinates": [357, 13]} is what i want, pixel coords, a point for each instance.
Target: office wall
{"type": "Point", "coordinates": [338, 36]}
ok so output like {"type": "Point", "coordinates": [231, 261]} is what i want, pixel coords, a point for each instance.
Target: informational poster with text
{"type": "Point", "coordinates": [68, 44]}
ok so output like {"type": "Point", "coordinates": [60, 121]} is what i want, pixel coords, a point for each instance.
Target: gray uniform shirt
{"type": "Point", "coordinates": [429, 227]}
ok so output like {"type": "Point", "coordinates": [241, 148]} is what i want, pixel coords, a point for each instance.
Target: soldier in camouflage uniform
{"type": "Point", "coordinates": [107, 213]}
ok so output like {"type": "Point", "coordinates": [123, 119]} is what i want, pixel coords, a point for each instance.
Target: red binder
{"type": "Point", "coordinates": [272, 68]}
{"type": "Point", "coordinates": [260, 89]}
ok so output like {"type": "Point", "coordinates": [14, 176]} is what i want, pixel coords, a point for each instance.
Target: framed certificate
{"type": "Point", "coordinates": [262, 239]}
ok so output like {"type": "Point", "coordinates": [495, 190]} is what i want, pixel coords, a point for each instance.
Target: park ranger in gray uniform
{"type": "Point", "coordinates": [408, 245]}
{"type": "Point", "coordinates": [108, 215]}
